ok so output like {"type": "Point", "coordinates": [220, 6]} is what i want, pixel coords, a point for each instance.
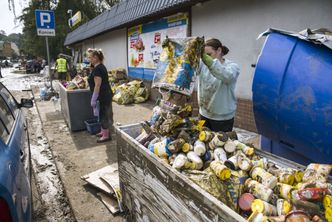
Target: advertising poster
{"type": "Point", "coordinates": [144, 43]}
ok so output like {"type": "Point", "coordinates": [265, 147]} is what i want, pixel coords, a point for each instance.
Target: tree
{"type": "Point", "coordinates": [34, 45]}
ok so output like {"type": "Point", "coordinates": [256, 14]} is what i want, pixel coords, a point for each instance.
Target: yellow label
{"type": "Point", "coordinates": [257, 205]}
{"type": "Point", "coordinates": [177, 17]}
{"type": "Point", "coordinates": [327, 201]}
{"type": "Point", "coordinates": [186, 147]}
{"type": "Point", "coordinates": [298, 176]}
{"type": "Point", "coordinates": [328, 214]}
{"type": "Point", "coordinates": [286, 207]}
{"type": "Point", "coordinates": [135, 30]}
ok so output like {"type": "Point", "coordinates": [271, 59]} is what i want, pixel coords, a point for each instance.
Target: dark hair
{"type": "Point", "coordinates": [98, 53]}
{"type": "Point", "coordinates": [216, 44]}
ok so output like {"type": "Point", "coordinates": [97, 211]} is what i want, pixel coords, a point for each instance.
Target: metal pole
{"type": "Point", "coordinates": [49, 64]}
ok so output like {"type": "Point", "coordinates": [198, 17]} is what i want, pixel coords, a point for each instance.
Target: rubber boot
{"type": "Point", "coordinates": [105, 136]}
{"type": "Point", "coordinates": [100, 134]}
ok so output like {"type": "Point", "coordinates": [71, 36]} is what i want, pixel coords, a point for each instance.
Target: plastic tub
{"type": "Point", "coordinates": [92, 126]}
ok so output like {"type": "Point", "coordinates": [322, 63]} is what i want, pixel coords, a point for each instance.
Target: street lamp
{"type": "Point", "coordinates": [70, 12]}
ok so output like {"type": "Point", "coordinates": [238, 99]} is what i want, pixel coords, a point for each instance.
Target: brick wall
{"type": "Point", "coordinates": [244, 117]}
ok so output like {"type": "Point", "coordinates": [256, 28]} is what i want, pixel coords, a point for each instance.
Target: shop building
{"type": "Point", "coordinates": [236, 24]}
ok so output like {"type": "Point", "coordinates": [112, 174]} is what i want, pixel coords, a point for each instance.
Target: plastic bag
{"type": "Point", "coordinates": [178, 64]}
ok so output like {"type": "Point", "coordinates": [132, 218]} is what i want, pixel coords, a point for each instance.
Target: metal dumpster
{"type": "Point", "coordinates": [154, 191]}
{"type": "Point", "coordinates": [75, 107]}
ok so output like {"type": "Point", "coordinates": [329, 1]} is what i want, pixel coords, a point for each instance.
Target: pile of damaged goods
{"type": "Point", "coordinates": [125, 91]}
{"type": "Point", "coordinates": [234, 172]}
{"type": "Point", "coordinates": [78, 82]}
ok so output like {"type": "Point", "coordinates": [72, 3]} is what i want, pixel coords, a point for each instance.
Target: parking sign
{"type": "Point", "coordinates": [45, 22]}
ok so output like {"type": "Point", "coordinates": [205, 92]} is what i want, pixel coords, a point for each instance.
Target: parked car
{"type": "Point", "coordinates": [15, 172]}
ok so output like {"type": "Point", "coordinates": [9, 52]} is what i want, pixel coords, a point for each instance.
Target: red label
{"type": "Point", "coordinates": [157, 37]}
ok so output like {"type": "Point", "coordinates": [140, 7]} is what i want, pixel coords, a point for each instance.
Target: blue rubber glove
{"type": "Point", "coordinates": [96, 110]}
{"type": "Point", "coordinates": [94, 99]}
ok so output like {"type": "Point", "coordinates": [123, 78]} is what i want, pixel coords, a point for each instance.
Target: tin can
{"type": "Point", "coordinates": [298, 175]}
{"type": "Point", "coordinates": [244, 162]}
{"type": "Point", "coordinates": [218, 141]}
{"type": "Point", "coordinates": [207, 156]}
{"type": "Point", "coordinates": [205, 136]}
{"type": "Point", "coordinates": [284, 190]}
{"type": "Point", "coordinates": [286, 177]}
{"type": "Point", "coordinates": [199, 148]}
{"type": "Point", "coordinates": [258, 190]}
{"type": "Point", "coordinates": [264, 177]}
{"type": "Point", "coordinates": [316, 218]}
{"type": "Point", "coordinates": [187, 147]}
{"type": "Point", "coordinates": [312, 193]}
{"type": "Point", "coordinates": [220, 155]}
{"type": "Point", "coordinates": [230, 146]}
{"type": "Point", "coordinates": [283, 207]}
{"type": "Point", "coordinates": [323, 169]}
{"type": "Point", "coordinates": [260, 163]}
{"type": "Point", "coordinates": [232, 163]}
{"type": "Point", "coordinates": [172, 158]}
{"type": "Point", "coordinates": [221, 171]}
{"type": "Point", "coordinates": [328, 214]}
{"type": "Point", "coordinates": [296, 216]}
{"type": "Point", "coordinates": [180, 161]}
{"type": "Point", "coordinates": [263, 207]}
{"type": "Point", "coordinates": [247, 150]}
{"type": "Point", "coordinates": [327, 201]}
{"type": "Point", "coordinates": [196, 161]}
{"type": "Point", "coordinates": [257, 217]}
{"type": "Point", "coordinates": [176, 145]}
{"type": "Point", "coordinates": [245, 201]}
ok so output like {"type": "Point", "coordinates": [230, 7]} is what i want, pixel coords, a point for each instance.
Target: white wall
{"type": "Point", "coordinates": [238, 23]}
{"type": "Point", "coordinates": [114, 46]}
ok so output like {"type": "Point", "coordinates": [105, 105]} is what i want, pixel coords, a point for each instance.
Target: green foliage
{"type": "Point", "coordinates": [34, 45]}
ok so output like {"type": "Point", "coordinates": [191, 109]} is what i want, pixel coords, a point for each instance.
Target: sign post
{"type": "Point", "coordinates": [45, 24]}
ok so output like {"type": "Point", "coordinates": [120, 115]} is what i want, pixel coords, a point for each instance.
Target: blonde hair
{"type": "Point", "coordinates": [96, 52]}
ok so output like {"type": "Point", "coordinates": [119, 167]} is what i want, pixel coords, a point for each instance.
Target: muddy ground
{"type": "Point", "coordinates": [60, 157]}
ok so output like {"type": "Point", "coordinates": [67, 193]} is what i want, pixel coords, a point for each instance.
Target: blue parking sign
{"type": "Point", "coordinates": [45, 22]}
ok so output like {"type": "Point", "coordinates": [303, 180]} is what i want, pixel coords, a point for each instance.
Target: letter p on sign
{"type": "Point", "coordinates": [45, 19]}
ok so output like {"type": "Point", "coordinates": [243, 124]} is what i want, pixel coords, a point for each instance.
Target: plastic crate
{"type": "Point", "coordinates": [93, 126]}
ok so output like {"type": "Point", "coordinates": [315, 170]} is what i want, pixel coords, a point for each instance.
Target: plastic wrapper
{"type": "Point", "coordinates": [131, 92]}
{"type": "Point", "coordinates": [179, 61]}
{"type": "Point", "coordinates": [226, 191]}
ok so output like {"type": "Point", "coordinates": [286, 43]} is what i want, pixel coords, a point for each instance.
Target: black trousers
{"type": "Point", "coordinates": [106, 113]}
{"type": "Point", "coordinates": [218, 125]}
{"type": "Point", "coordinates": [62, 75]}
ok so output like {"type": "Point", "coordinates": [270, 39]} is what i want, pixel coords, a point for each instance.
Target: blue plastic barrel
{"type": "Point", "coordinates": [292, 99]}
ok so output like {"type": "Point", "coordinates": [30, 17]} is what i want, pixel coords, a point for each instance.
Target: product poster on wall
{"type": "Point", "coordinates": [144, 43]}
